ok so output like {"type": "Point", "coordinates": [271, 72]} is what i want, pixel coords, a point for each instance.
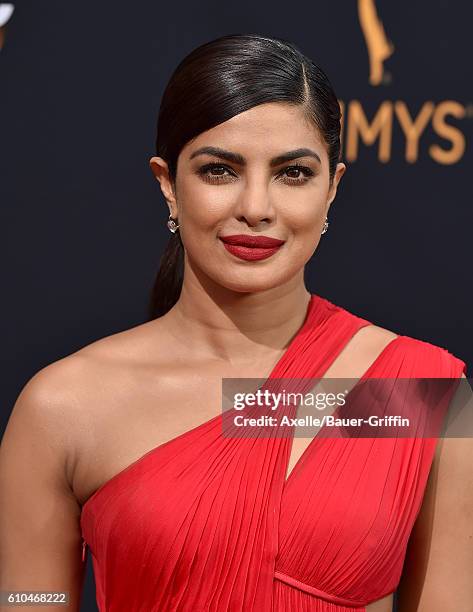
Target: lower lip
{"type": "Point", "coordinates": [250, 253]}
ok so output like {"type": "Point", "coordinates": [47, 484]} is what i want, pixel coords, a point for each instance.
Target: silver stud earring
{"type": "Point", "coordinates": [325, 228]}
{"type": "Point", "coordinates": [172, 225]}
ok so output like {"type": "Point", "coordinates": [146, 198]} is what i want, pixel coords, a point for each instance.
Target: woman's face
{"type": "Point", "coordinates": [262, 173]}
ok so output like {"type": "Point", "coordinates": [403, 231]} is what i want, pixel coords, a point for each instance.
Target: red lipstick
{"type": "Point", "coordinates": [251, 248]}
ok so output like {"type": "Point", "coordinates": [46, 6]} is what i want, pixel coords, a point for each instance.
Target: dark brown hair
{"type": "Point", "coordinates": [217, 81]}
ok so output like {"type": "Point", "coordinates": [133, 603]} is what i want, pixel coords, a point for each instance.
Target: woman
{"type": "Point", "coordinates": [131, 462]}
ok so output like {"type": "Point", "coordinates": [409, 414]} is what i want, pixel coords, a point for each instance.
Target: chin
{"type": "Point", "coordinates": [252, 282]}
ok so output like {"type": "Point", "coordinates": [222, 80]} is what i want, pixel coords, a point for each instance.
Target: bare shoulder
{"type": "Point", "coordinates": [373, 338]}
{"type": "Point", "coordinates": [42, 414]}
{"type": "Point", "coordinates": [53, 418]}
{"type": "Point", "coordinates": [136, 344]}
{"type": "Point", "coordinates": [360, 352]}
{"type": "Point", "coordinates": [58, 404]}
{"type": "Point", "coordinates": [60, 383]}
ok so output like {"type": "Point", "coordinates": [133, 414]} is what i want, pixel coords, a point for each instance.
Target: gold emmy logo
{"type": "Point", "coordinates": [377, 131]}
{"type": "Point", "coordinates": [6, 11]}
{"type": "Point", "coordinates": [377, 43]}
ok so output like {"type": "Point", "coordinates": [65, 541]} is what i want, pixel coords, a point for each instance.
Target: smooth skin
{"type": "Point", "coordinates": [82, 419]}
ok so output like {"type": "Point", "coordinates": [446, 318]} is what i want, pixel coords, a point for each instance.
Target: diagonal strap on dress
{"type": "Point", "coordinates": [210, 522]}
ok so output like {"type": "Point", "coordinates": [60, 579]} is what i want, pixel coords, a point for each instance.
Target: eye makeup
{"type": "Point", "coordinates": [215, 173]}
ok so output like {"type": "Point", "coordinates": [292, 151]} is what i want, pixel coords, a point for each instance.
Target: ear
{"type": "Point", "coordinates": [160, 169]}
{"type": "Point", "coordinates": [339, 172]}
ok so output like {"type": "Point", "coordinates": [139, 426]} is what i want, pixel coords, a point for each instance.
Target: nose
{"type": "Point", "coordinates": [255, 204]}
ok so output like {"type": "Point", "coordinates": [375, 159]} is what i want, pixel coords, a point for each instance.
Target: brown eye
{"type": "Point", "coordinates": [293, 172]}
{"type": "Point", "coordinates": [215, 172]}
{"type": "Point", "coordinates": [297, 175]}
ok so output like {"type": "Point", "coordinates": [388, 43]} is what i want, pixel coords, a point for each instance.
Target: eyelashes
{"type": "Point", "coordinates": [224, 174]}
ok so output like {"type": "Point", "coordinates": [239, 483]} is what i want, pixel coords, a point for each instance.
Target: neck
{"type": "Point", "coordinates": [235, 326]}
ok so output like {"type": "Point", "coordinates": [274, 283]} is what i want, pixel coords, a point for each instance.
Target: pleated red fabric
{"type": "Point", "coordinates": [207, 522]}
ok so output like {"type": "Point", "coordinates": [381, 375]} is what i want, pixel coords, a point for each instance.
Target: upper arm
{"type": "Point", "coordinates": [40, 539]}
{"type": "Point", "coordinates": [439, 559]}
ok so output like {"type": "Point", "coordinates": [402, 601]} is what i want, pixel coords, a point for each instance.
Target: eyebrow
{"type": "Point", "coordinates": [239, 159]}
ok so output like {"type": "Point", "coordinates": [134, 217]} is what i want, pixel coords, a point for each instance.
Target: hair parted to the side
{"type": "Point", "coordinates": [217, 81]}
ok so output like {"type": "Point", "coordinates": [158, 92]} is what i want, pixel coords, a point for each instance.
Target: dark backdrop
{"type": "Point", "coordinates": [83, 223]}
